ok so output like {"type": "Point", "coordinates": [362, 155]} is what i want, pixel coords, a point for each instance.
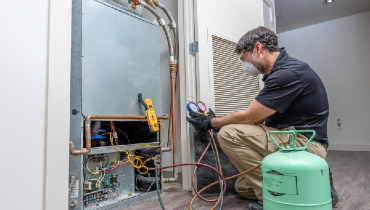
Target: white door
{"type": "Point", "coordinates": [269, 14]}
{"type": "Point", "coordinates": [214, 74]}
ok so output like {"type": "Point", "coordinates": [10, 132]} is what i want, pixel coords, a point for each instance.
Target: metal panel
{"type": "Point", "coordinates": [120, 58]}
{"type": "Point", "coordinates": [76, 118]}
{"type": "Point", "coordinates": [128, 179]}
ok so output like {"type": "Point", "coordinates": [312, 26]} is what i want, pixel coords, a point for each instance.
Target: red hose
{"type": "Point", "coordinates": [193, 178]}
{"type": "Point", "coordinates": [197, 164]}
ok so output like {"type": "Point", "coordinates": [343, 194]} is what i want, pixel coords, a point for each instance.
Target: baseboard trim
{"type": "Point", "coordinates": [349, 147]}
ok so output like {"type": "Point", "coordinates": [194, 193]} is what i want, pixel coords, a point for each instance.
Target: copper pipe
{"type": "Point", "coordinates": [166, 149]}
{"type": "Point", "coordinates": [85, 151]}
{"type": "Point", "coordinates": [173, 73]}
{"type": "Point", "coordinates": [122, 117]}
{"type": "Point", "coordinates": [88, 118]}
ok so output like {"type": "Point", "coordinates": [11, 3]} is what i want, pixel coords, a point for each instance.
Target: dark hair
{"type": "Point", "coordinates": [262, 34]}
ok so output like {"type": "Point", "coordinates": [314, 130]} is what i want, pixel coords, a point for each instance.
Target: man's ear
{"type": "Point", "coordinates": [259, 48]}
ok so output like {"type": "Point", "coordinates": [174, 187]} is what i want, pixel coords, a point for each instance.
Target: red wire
{"type": "Point", "coordinates": [193, 178]}
{"type": "Point", "coordinates": [197, 164]}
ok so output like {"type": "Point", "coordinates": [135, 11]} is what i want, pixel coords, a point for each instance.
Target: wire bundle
{"type": "Point", "coordinates": [135, 160]}
{"type": "Point", "coordinates": [103, 178]}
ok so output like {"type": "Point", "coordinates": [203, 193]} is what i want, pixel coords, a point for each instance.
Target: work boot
{"type": "Point", "coordinates": [256, 206]}
{"type": "Point", "coordinates": [334, 195]}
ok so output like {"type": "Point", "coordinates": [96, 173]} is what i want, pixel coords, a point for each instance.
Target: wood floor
{"type": "Point", "coordinates": [351, 173]}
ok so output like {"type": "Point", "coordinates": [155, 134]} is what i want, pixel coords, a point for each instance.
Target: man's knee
{"type": "Point", "coordinates": [245, 192]}
{"type": "Point", "coordinates": [225, 134]}
{"type": "Point", "coordinates": [235, 133]}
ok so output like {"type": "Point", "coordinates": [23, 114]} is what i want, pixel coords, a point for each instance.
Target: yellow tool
{"type": "Point", "coordinates": [150, 113]}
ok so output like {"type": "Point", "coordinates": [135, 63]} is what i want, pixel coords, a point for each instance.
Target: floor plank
{"type": "Point", "coordinates": [351, 173]}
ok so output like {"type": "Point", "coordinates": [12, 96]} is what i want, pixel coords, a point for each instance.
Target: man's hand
{"type": "Point", "coordinates": [201, 122]}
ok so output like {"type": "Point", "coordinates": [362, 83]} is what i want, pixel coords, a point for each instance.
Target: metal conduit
{"type": "Point", "coordinates": [173, 26]}
{"type": "Point", "coordinates": [164, 26]}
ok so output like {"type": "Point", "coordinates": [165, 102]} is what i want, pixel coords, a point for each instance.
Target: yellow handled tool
{"type": "Point", "coordinates": [150, 113]}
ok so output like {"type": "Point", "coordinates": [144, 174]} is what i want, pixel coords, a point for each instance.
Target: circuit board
{"type": "Point", "coordinates": [95, 197]}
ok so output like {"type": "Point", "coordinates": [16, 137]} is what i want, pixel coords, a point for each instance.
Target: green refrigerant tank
{"type": "Point", "coordinates": [294, 179]}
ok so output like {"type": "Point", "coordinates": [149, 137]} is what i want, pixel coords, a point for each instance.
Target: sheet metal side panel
{"type": "Point", "coordinates": [121, 58]}
{"type": "Point", "coordinates": [76, 120]}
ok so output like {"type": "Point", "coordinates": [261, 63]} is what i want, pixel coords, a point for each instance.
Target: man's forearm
{"type": "Point", "coordinates": [233, 118]}
{"type": "Point", "coordinates": [255, 114]}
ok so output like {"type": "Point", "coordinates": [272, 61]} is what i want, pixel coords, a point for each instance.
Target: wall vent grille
{"type": "Point", "coordinates": [234, 90]}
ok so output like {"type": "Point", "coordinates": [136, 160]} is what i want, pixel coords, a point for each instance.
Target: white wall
{"type": "Point", "coordinates": [23, 65]}
{"type": "Point", "coordinates": [165, 75]}
{"type": "Point", "coordinates": [233, 22]}
{"type": "Point", "coordinates": [35, 79]}
{"type": "Point", "coordinates": [339, 51]}
{"type": "Point", "coordinates": [209, 17]}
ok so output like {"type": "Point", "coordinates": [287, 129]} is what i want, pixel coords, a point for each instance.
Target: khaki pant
{"type": "Point", "coordinates": [245, 145]}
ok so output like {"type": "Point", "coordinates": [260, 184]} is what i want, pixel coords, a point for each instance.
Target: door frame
{"type": "Point", "coordinates": [56, 154]}
{"type": "Point", "coordinates": [187, 80]}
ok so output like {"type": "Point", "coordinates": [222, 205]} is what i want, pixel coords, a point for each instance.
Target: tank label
{"type": "Point", "coordinates": [278, 184]}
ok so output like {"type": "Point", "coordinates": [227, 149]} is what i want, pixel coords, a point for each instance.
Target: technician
{"type": "Point", "coordinates": [293, 97]}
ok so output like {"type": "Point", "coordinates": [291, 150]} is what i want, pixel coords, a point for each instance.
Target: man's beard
{"type": "Point", "coordinates": [262, 66]}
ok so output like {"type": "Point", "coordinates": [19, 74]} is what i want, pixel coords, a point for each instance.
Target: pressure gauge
{"type": "Point", "coordinates": [191, 106]}
{"type": "Point", "coordinates": [202, 107]}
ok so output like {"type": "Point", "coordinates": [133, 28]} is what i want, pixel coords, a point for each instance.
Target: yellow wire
{"type": "Point", "coordinates": [97, 184]}
{"type": "Point", "coordinates": [87, 167]}
{"type": "Point", "coordinates": [133, 159]}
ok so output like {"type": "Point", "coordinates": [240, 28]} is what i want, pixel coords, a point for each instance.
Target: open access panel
{"type": "Point", "coordinates": [115, 56]}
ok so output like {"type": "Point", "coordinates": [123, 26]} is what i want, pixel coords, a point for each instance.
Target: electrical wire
{"type": "Point", "coordinates": [124, 134]}
{"type": "Point", "coordinates": [136, 160]}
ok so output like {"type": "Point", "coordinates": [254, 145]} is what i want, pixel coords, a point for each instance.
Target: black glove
{"type": "Point", "coordinates": [212, 114]}
{"type": "Point", "coordinates": [201, 122]}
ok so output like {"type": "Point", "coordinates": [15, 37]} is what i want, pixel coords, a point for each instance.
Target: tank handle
{"type": "Point", "coordinates": [294, 134]}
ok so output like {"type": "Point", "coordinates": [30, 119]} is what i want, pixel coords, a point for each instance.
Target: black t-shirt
{"type": "Point", "coordinates": [298, 96]}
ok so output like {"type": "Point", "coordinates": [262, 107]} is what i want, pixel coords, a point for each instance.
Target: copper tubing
{"type": "Point", "coordinates": [85, 151]}
{"type": "Point", "coordinates": [88, 118]}
{"type": "Point", "coordinates": [173, 73]}
{"type": "Point", "coordinates": [122, 117]}
{"type": "Point", "coordinates": [166, 149]}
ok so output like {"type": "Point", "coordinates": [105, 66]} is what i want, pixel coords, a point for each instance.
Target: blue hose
{"type": "Point", "coordinates": [158, 193]}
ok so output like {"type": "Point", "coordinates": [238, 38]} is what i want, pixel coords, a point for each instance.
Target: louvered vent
{"type": "Point", "coordinates": [234, 90]}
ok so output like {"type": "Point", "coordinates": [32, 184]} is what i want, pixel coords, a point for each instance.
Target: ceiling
{"type": "Point", "coordinates": [301, 13]}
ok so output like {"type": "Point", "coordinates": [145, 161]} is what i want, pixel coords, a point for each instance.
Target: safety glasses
{"type": "Point", "coordinates": [241, 58]}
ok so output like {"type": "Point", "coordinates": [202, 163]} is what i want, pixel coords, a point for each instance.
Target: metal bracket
{"type": "Point", "coordinates": [157, 160]}
{"type": "Point", "coordinates": [193, 48]}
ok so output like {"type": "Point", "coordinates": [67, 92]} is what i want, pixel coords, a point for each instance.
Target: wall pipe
{"type": "Point", "coordinates": [88, 119]}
